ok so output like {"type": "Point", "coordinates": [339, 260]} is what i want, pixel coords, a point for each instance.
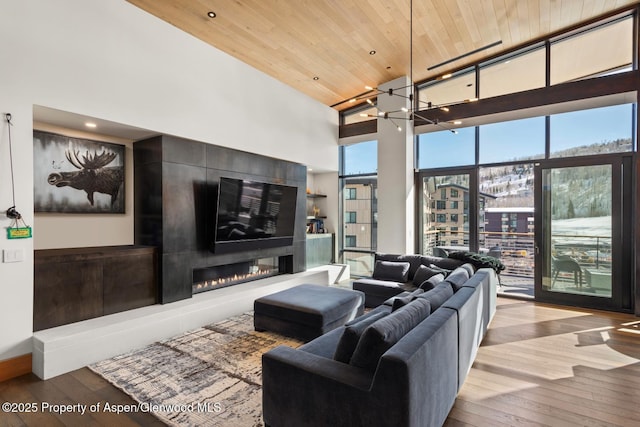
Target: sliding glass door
{"type": "Point", "coordinates": [583, 239]}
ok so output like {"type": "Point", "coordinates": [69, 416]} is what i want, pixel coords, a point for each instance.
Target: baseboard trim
{"type": "Point", "coordinates": [15, 367]}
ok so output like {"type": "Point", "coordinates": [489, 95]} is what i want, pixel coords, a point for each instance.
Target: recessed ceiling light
{"type": "Point", "coordinates": [211, 14]}
{"type": "Point", "coordinates": [446, 76]}
{"type": "Point", "coordinates": [457, 122]}
{"type": "Point", "coordinates": [372, 52]}
{"type": "Point", "coordinates": [90, 124]}
{"type": "Point", "coordinates": [316, 78]}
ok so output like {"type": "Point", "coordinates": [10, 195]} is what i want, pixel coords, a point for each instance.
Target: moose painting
{"type": "Point", "coordinates": [77, 175]}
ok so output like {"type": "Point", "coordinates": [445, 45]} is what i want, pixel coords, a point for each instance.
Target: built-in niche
{"type": "Point", "coordinates": [175, 197]}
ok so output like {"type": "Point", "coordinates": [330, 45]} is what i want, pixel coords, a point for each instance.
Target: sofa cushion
{"type": "Point", "coordinates": [457, 278]}
{"type": "Point", "coordinates": [384, 333]}
{"type": "Point", "coordinates": [422, 274]}
{"type": "Point", "coordinates": [469, 267]}
{"type": "Point", "coordinates": [389, 270]}
{"type": "Point", "coordinates": [375, 283]}
{"type": "Point", "coordinates": [351, 335]}
{"type": "Point", "coordinates": [414, 261]}
{"type": "Point", "coordinates": [438, 295]}
{"type": "Point", "coordinates": [446, 263]}
{"type": "Point", "coordinates": [401, 301]}
{"type": "Point", "coordinates": [432, 282]}
{"type": "Point", "coordinates": [444, 271]}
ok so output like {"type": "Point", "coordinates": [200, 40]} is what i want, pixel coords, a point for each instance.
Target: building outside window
{"type": "Point", "coordinates": [350, 193]}
{"type": "Point", "coordinates": [359, 182]}
{"type": "Point", "coordinates": [350, 217]}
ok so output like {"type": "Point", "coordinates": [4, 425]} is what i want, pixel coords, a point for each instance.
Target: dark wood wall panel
{"type": "Point", "coordinates": [129, 282]}
{"type": "Point", "coordinates": [76, 284]}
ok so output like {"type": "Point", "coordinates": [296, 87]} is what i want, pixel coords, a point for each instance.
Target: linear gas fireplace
{"type": "Point", "coordinates": [220, 276]}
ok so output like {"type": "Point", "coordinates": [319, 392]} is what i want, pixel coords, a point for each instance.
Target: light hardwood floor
{"type": "Point", "coordinates": [554, 366]}
{"type": "Point", "coordinates": [539, 365]}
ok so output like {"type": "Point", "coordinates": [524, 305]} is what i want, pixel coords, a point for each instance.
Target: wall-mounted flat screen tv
{"type": "Point", "coordinates": [254, 215]}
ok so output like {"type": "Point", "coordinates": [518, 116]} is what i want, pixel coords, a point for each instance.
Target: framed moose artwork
{"type": "Point", "coordinates": [74, 175]}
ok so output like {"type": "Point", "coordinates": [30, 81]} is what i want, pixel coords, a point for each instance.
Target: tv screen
{"type": "Point", "coordinates": [254, 215]}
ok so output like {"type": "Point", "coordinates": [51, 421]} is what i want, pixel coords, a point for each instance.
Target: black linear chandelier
{"type": "Point", "coordinates": [413, 113]}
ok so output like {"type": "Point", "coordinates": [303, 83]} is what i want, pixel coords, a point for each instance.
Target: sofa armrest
{"type": "Point", "coordinates": [300, 388]}
{"type": "Point", "coordinates": [319, 366]}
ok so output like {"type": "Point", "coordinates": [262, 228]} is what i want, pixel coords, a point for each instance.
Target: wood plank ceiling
{"type": "Point", "coordinates": [296, 41]}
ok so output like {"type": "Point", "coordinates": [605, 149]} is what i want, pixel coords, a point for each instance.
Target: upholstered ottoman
{"type": "Point", "coordinates": [307, 311]}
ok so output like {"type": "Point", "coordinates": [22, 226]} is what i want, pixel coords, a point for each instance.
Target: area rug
{"type": "Point", "coordinates": [210, 376]}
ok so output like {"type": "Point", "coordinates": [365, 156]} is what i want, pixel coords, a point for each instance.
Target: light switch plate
{"type": "Point", "coordinates": [13, 255]}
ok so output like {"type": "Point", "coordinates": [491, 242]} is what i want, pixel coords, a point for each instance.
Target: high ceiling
{"type": "Point", "coordinates": [324, 48]}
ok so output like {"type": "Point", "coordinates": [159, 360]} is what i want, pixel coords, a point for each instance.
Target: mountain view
{"type": "Point", "coordinates": [577, 192]}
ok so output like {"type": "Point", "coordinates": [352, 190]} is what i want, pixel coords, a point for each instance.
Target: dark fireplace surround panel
{"type": "Point", "coordinates": [175, 195]}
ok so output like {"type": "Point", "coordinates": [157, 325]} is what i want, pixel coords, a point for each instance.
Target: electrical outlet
{"type": "Point", "coordinates": [13, 255]}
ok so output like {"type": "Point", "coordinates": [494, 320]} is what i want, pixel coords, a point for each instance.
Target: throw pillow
{"type": "Point", "coordinates": [457, 278]}
{"type": "Point", "coordinates": [400, 302]}
{"type": "Point", "coordinates": [383, 334]}
{"type": "Point", "coordinates": [422, 274]}
{"type": "Point", "coordinates": [445, 272]}
{"type": "Point", "coordinates": [438, 295]}
{"type": "Point", "coordinates": [431, 282]}
{"type": "Point", "coordinates": [393, 271]}
{"type": "Point", "coordinates": [351, 335]}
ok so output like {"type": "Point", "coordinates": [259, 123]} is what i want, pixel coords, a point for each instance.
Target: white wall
{"type": "Point", "coordinates": [112, 61]}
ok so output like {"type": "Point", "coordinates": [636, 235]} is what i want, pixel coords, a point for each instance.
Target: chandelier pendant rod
{"type": "Point", "coordinates": [411, 52]}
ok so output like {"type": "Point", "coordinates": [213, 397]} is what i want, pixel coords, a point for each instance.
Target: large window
{"type": "Point", "coordinates": [358, 115]}
{"type": "Point", "coordinates": [453, 90]}
{"type": "Point", "coordinates": [445, 148]}
{"type": "Point", "coordinates": [359, 164]}
{"type": "Point", "coordinates": [505, 75]}
{"type": "Point", "coordinates": [595, 131]}
{"type": "Point", "coordinates": [513, 140]}
{"type": "Point", "coordinates": [360, 159]}
{"type": "Point", "coordinates": [603, 50]}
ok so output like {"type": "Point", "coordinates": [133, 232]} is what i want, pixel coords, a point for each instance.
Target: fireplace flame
{"type": "Point", "coordinates": [236, 278]}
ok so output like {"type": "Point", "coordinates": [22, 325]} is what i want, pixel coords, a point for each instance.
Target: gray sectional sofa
{"type": "Point", "coordinates": [394, 274]}
{"type": "Point", "coordinates": [400, 364]}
